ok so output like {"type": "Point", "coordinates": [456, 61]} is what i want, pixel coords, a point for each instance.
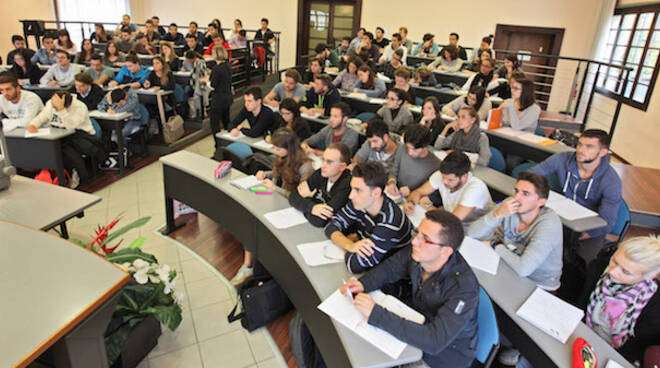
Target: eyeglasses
{"type": "Point", "coordinates": [516, 88]}
{"type": "Point", "coordinates": [427, 241]}
{"type": "Point", "coordinates": [331, 163]}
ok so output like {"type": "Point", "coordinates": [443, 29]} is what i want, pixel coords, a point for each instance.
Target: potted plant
{"type": "Point", "coordinates": [145, 303]}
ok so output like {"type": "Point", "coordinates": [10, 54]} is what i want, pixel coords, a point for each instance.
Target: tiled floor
{"type": "Point", "coordinates": [204, 338]}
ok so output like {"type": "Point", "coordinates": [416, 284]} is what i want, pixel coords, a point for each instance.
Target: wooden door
{"type": "Point", "coordinates": [532, 40]}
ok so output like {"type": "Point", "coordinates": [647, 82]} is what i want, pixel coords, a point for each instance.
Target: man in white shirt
{"type": "Point", "coordinates": [60, 74]}
{"type": "Point", "coordinates": [462, 194]}
{"type": "Point", "coordinates": [19, 106]}
{"type": "Point", "coordinates": [394, 45]}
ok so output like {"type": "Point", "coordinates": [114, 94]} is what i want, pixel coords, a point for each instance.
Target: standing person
{"type": "Point", "coordinates": [476, 98]}
{"type": "Point", "coordinates": [193, 30]}
{"type": "Point", "coordinates": [291, 119]}
{"type": "Point", "coordinates": [46, 54]}
{"type": "Point", "coordinates": [100, 35]}
{"type": "Point", "coordinates": [466, 136]}
{"type": "Point", "coordinates": [23, 69]}
{"type": "Point", "coordinates": [19, 44]}
{"type": "Point", "coordinates": [432, 117]}
{"type": "Point", "coordinates": [86, 51]}
{"type": "Point", "coordinates": [19, 106]}
{"type": "Point", "coordinates": [222, 92]}
{"type": "Point", "coordinates": [453, 40]}
{"type": "Point", "coordinates": [199, 76]}
{"type": "Point", "coordinates": [521, 111]}
{"type": "Point", "coordinates": [64, 42]}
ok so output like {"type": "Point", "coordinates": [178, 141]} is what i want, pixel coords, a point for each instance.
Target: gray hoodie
{"type": "Point", "coordinates": [535, 253]}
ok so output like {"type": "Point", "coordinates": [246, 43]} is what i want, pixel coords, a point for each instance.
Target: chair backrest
{"type": "Point", "coordinates": [622, 221]}
{"type": "Point", "coordinates": [488, 333]}
{"type": "Point", "coordinates": [240, 149]}
{"type": "Point", "coordinates": [97, 128]}
{"type": "Point", "coordinates": [496, 160]}
{"type": "Point", "coordinates": [364, 116]}
{"type": "Point", "coordinates": [522, 167]}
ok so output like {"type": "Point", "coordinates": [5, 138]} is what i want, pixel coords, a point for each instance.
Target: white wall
{"type": "Point", "coordinates": [12, 12]}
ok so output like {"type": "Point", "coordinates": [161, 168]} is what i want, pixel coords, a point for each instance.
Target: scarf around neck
{"type": "Point", "coordinates": [466, 143]}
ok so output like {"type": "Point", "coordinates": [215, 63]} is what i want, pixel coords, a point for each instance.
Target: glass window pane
{"type": "Point", "coordinates": [601, 80]}
{"type": "Point", "coordinates": [639, 39]}
{"type": "Point", "coordinates": [344, 10]}
{"type": "Point", "coordinates": [341, 22]}
{"type": "Point", "coordinates": [645, 20]}
{"type": "Point", "coordinates": [634, 55]}
{"type": "Point", "coordinates": [628, 90]}
{"type": "Point", "coordinates": [607, 52]}
{"type": "Point", "coordinates": [618, 54]}
{"type": "Point", "coordinates": [645, 75]}
{"type": "Point", "coordinates": [655, 40]}
{"type": "Point", "coordinates": [612, 37]}
{"type": "Point", "coordinates": [651, 58]}
{"type": "Point", "coordinates": [628, 21]}
{"type": "Point", "coordinates": [615, 21]}
{"type": "Point", "coordinates": [614, 72]}
{"type": "Point", "coordinates": [657, 22]}
{"type": "Point", "coordinates": [624, 38]}
{"type": "Point", "coordinates": [640, 93]}
{"type": "Point", "coordinates": [338, 34]}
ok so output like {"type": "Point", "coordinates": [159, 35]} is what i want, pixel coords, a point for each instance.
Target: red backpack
{"type": "Point", "coordinates": [46, 176]}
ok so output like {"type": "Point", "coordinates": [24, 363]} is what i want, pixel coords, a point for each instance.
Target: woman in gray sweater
{"type": "Point", "coordinates": [394, 113]}
{"type": "Point", "coordinates": [346, 79]}
{"type": "Point", "coordinates": [476, 98]}
{"type": "Point", "coordinates": [466, 137]}
{"type": "Point", "coordinates": [521, 111]}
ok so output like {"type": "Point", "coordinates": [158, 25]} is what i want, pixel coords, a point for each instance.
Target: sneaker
{"type": "Point", "coordinates": [243, 274]}
{"type": "Point", "coordinates": [110, 163]}
{"type": "Point", "coordinates": [75, 179]}
{"type": "Point", "coordinates": [509, 356]}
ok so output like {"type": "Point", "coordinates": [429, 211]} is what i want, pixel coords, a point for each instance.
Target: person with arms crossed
{"type": "Point", "coordinates": [326, 191]}
{"type": "Point", "coordinates": [370, 226]}
{"type": "Point", "coordinates": [441, 286]}
{"type": "Point", "coordinates": [336, 131]}
{"type": "Point", "coordinates": [462, 194]}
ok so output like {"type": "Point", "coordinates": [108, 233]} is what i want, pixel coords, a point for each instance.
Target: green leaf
{"type": "Point", "coordinates": [169, 315]}
{"type": "Point", "coordinates": [135, 224]}
{"type": "Point", "coordinates": [137, 243]}
{"type": "Point", "coordinates": [115, 342]}
{"type": "Point", "coordinates": [129, 255]}
{"type": "Point", "coordinates": [129, 301]}
{"type": "Point", "coordinates": [79, 242]}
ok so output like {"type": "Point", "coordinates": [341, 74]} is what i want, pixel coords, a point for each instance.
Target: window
{"type": "Point", "coordinates": [633, 41]}
{"type": "Point", "coordinates": [101, 11]}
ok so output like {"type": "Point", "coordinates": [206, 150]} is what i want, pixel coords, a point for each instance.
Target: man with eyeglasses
{"type": "Point", "coordinates": [60, 74]}
{"type": "Point", "coordinates": [441, 286]}
{"type": "Point", "coordinates": [370, 226]}
{"type": "Point", "coordinates": [326, 191]}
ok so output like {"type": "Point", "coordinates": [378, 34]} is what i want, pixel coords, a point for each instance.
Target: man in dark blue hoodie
{"type": "Point", "coordinates": [587, 178]}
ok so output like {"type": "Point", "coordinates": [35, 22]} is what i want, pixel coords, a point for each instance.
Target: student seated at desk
{"type": "Point", "coordinates": [347, 78]}
{"type": "Point", "coordinates": [369, 84]}
{"type": "Point", "coordinates": [402, 81]}
{"type": "Point", "coordinates": [132, 74]}
{"type": "Point", "coordinates": [424, 77]}
{"type": "Point", "coordinates": [371, 49]}
{"type": "Point", "coordinates": [168, 54]}
{"type": "Point", "coordinates": [475, 64]}
{"type": "Point", "coordinates": [321, 97]}
{"type": "Point", "coordinates": [288, 88]}
{"type": "Point", "coordinates": [343, 49]}
{"type": "Point", "coordinates": [46, 54]}
{"type": "Point", "coordinates": [126, 23]}
{"type": "Point", "coordinates": [100, 73]}
{"type": "Point", "coordinates": [405, 42]}
{"type": "Point", "coordinates": [379, 146]}
{"type": "Point", "coordinates": [380, 39]}
{"type": "Point", "coordinates": [156, 21]}
{"type": "Point", "coordinates": [19, 106]}
{"type": "Point", "coordinates": [151, 32]}
{"type": "Point", "coordinates": [414, 162]}
{"type": "Point", "coordinates": [63, 42]}
{"type": "Point", "coordinates": [621, 299]}
{"type": "Point", "coordinates": [239, 40]}
{"type": "Point", "coordinates": [587, 178]}
{"type": "Point", "coordinates": [192, 44]}
{"type": "Point", "coordinates": [290, 118]}
{"type": "Point", "coordinates": [290, 168]}
{"type": "Point", "coordinates": [86, 52]}
{"type": "Point", "coordinates": [174, 35]}
{"type": "Point", "coordinates": [64, 111]}
{"type": "Point", "coordinates": [370, 226]}
{"type": "Point", "coordinates": [199, 75]}
{"type": "Point", "coordinates": [448, 60]}
{"type": "Point", "coordinates": [390, 49]}
{"type": "Point", "coordinates": [260, 118]}
{"type": "Point", "coordinates": [525, 233]}
{"type": "Point", "coordinates": [475, 98]}
{"type": "Point", "coordinates": [521, 111]}
{"type": "Point", "coordinates": [100, 35]}
{"type": "Point", "coordinates": [453, 41]}
{"type": "Point", "coordinates": [326, 191]}
{"type": "Point", "coordinates": [217, 40]}
{"type": "Point", "coordinates": [328, 57]}
{"type": "Point", "coordinates": [432, 117]}
{"type": "Point", "coordinates": [111, 56]}
{"type": "Point", "coordinates": [160, 77]}
{"type": "Point", "coordinates": [125, 44]}
{"type": "Point", "coordinates": [394, 114]}
{"type": "Point", "coordinates": [60, 74]}
{"type": "Point", "coordinates": [193, 30]}
{"type": "Point", "coordinates": [441, 286]}
{"type": "Point", "coordinates": [462, 193]}
{"type": "Point", "coordinates": [335, 131]}
{"type": "Point", "coordinates": [511, 64]}
{"type": "Point", "coordinates": [357, 41]}
{"type": "Point", "coordinates": [23, 69]}
{"type": "Point", "coordinates": [466, 136]}
{"type": "Point", "coordinates": [211, 29]}
{"type": "Point", "coordinates": [428, 48]}
{"type": "Point", "coordinates": [86, 91]}
{"type": "Point", "coordinates": [119, 100]}
{"type": "Point", "coordinates": [141, 46]}
{"type": "Point", "coordinates": [503, 88]}
{"type": "Point", "coordinates": [484, 45]}
{"type": "Point", "coordinates": [483, 78]}
{"type": "Point", "coordinates": [19, 45]}
{"type": "Point", "coordinates": [391, 66]}
{"type": "Point", "coordinates": [315, 69]}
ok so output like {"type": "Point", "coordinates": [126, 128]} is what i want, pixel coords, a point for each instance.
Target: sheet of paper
{"type": "Point", "coordinates": [612, 364]}
{"type": "Point", "coordinates": [341, 309]}
{"type": "Point", "coordinates": [246, 182]}
{"type": "Point", "coordinates": [567, 208]}
{"type": "Point", "coordinates": [358, 95]}
{"type": "Point", "coordinates": [226, 135]}
{"type": "Point", "coordinates": [479, 255]}
{"type": "Point", "coordinates": [9, 125]}
{"type": "Point", "coordinates": [440, 154]}
{"type": "Point", "coordinates": [417, 216]}
{"type": "Point", "coordinates": [332, 251]}
{"type": "Point", "coordinates": [307, 115]}
{"type": "Point", "coordinates": [509, 131]}
{"type": "Point", "coordinates": [285, 218]}
{"type": "Point", "coordinates": [263, 145]}
{"type": "Point", "coordinates": [532, 138]}
{"type": "Point", "coordinates": [378, 101]}
{"type": "Point", "coordinates": [40, 133]}
{"type": "Point", "coordinates": [314, 254]}
{"type": "Point", "coordinates": [559, 324]}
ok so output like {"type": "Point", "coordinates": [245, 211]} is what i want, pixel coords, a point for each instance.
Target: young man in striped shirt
{"type": "Point", "coordinates": [370, 226]}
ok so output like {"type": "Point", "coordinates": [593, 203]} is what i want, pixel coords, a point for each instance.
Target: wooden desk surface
{"type": "Point", "coordinates": [640, 188]}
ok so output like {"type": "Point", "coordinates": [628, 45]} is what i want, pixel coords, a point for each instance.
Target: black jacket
{"type": "Point", "coordinates": [313, 100]}
{"type": "Point", "coordinates": [302, 130]}
{"type": "Point", "coordinates": [29, 53]}
{"type": "Point", "coordinates": [259, 125]}
{"type": "Point", "coordinates": [335, 198]}
{"type": "Point", "coordinates": [33, 73]}
{"type": "Point", "coordinates": [448, 299]}
{"type": "Point", "coordinates": [92, 99]}
{"type": "Point", "coordinates": [155, 81]}
{"type": "Point", "coordinates": [221, 78]}
{"type": "Point", "coordinates": [647, 327]}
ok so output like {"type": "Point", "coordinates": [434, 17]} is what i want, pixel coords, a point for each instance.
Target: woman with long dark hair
{"type": "Point", "coordinates": [111, 56]}
{"type": "Point", "coordinates": [63, 42]}
{"type": "Point", "coordinates": [24, 70]}
{"type": "Point", "coordinates": [86, 51]}
{"type": "Point", "coordinates": [476, 98]}
{"type": "Point", "coordinates": [467, 136]}
{"type": "Point", "coordinates": [100, 35]}
{"type": "Point", "coordinates": [369, 84]}
{"type": "Point", "coordinates": [347, 78]}
{"type": "Point", "coordinates": [291, 119]}
{"type": "Point", "coordinates": [521, 111]}
{"type": "Point", "coordinates": [432, 116]}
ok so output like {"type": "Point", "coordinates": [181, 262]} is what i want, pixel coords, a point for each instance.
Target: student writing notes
{"type": "Point", "coordinates": [19, 106]}
{"type": "Point", "coordinates": [260, 117]}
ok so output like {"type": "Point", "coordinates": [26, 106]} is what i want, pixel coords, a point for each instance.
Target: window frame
{"type": "Point", "coordinates": [620, 82]}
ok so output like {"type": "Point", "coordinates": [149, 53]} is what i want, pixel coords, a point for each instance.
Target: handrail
{"type": "Point", "coordinates": [524, 53]}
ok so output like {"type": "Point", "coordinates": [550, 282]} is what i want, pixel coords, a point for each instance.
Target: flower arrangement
{"type": "Point", "coordinates": [149, 293]}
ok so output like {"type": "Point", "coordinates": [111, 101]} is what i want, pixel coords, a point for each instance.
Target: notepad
{"type": "Point", "coordinates": [559, 324]}
{"type": "Point", "coordinates": [246, 182]}
{"type": "Point", "coordinates": [226, 135]}
{"type": "Point", "coordinates": [378, 101]}
{"type": "Point", "coordinates": [263, 145]}
{"type": "Point", "coordinates": [612, 364]}
{"type": "Point", "coordinates": [358, 95]}
{"type": "Point", "coordinates": [532, 138]}
{"type": "Point", "coordinates": [479, 255]}
{"type": "Point", "coordinates": [308, 115]}
{"type": "Point", "coordinates": [567, 208]}
{"type": "Point", "coordinates": [40, 133]}
{"type": "Point", "coordinates": [9, 125]}
{"type": "Point", "coordinates": [285, 218]}
{"type": "Point", "coordinates": [341, 309]}
{"type": "Point", "coordinates": [417, 216]}
{"type": "Point", "coordinates": [321, 253]}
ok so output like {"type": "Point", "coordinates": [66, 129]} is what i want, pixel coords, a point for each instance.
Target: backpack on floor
{"type": "Point", "coordinates": [262, 300]}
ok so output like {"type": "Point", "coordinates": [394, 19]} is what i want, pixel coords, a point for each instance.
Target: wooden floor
{"type": "Point", "coordinates": [220, 249]}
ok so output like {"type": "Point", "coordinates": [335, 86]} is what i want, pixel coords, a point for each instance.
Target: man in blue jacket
{"type": "Point", "coordinates": [132, 74]}
{"type": "Point", "coordinates": [587, 178]}
{"type": "Point", "coordinates": [442, 287]}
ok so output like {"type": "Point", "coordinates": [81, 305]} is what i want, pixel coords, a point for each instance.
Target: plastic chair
{"type": "Point", "coordinates": [539, 131]}
{"type": "Point", "coordinates": [496, 160]}
{"type": "Point", "coordinates": [240, 149]}
{"type": "Point", "coordinates": [622, 221]}
{"type": "Point", "coordinates": [522, 167]}
{"type": "Point", "coordinates": [364, 116]}
{"type": "Point", "coordinates": [488, 333]}
{"type": "Point", "coordinates": [97, 128]}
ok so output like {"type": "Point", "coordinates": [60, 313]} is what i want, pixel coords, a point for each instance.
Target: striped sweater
{"type": "Point", "coordinates": [389, 231]}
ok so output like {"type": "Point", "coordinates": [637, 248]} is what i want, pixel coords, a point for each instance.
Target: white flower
{"type": "Point", "coordinates": [154, 279]}
{"type": "Point", "coordinates": [140, 264]}
{"type": "Point", "coordinates": [125, 266]}
{"type": "Point", "coordinates": [141, 276]}
{"type": "Point", "coordinates": [178, 297]}
{"type": "Point", "coordinates": [163, 272]}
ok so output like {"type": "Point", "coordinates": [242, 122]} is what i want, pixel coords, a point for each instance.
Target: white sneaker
{"type": "Point", "coordinates": [75, 179]}
{"type": "Point", "coordinates": [243, 274]}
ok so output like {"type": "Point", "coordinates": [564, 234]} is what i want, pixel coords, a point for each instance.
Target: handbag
{"type": "Point", "coordinates": [262, 301]}
{"type": "Point", "coordinates": [173, 129]}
